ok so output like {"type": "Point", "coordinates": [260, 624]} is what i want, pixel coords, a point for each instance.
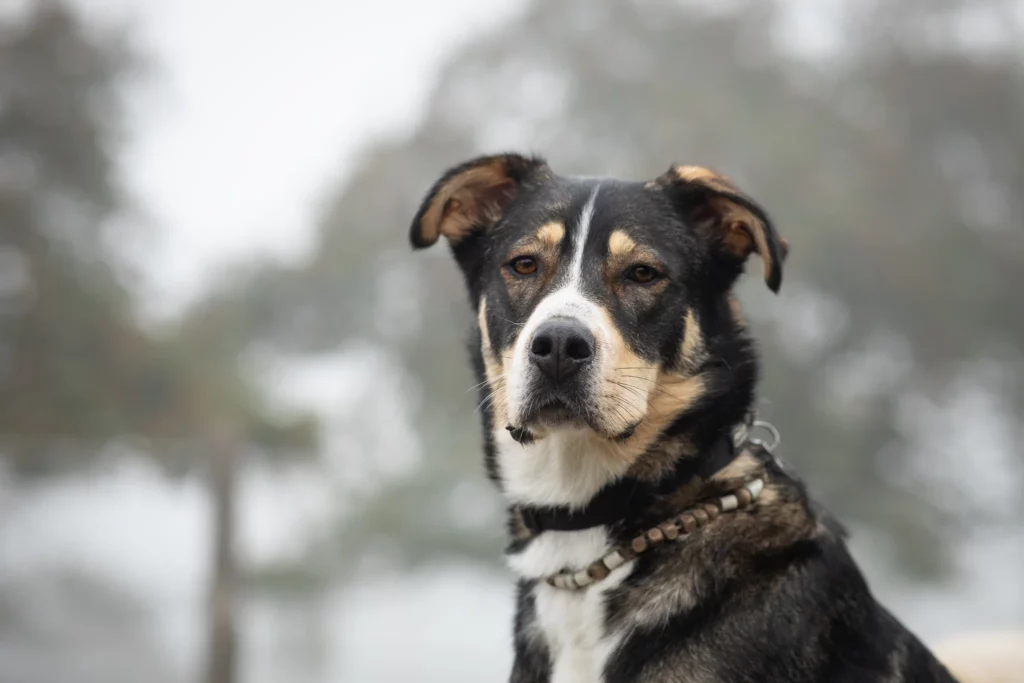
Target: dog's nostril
{"type": "Point", "coordinates": [561, 347]}
{"type": "Point", "coordinates": [577, 348]}
{"type": "Point", "coordinates": [541, 346]}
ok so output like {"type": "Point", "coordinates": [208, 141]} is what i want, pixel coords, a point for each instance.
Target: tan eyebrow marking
{"type": "Point", "coordinates": [551, 234]}
{"type": "Point", "coordinates": [620, 244]}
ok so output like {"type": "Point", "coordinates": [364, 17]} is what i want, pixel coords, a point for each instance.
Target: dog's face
{"type": "Point", "coordinates": [591, 294]}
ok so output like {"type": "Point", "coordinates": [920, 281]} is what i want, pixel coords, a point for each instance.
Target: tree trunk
{"type": "Point", "coordinates": [222, 653]}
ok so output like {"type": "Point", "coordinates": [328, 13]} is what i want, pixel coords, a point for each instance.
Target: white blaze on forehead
{"type": "Point", "coordinates": [564, 302]}
{"type": "Point", "coordinates": [586, 216]}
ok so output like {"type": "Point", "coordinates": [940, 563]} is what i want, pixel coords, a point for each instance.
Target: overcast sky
{"type": "Point", "coordinates": [260, 105]}
{"type": "Point", "coordinates": [257, 111]}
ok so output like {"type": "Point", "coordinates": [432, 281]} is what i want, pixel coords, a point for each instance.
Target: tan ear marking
{"type": "Point", "coordinates": [464, 200]}
{"type": "Point", "coordinates": [740, 227]}
{"type": "Point", "coordinates": [471, 196]}
{"type": "Point", "coordinates": [698, 174]}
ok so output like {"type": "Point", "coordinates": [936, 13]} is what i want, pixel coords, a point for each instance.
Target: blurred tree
{"type": "Point", "coordinates": [74, 361]}
{"type": "Point", "coordinates": [891, 161]}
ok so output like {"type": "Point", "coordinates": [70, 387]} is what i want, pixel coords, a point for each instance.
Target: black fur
{"type": "Point", "coordinates": [767, 594]}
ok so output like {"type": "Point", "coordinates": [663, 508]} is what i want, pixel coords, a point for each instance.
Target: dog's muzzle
{"type": "Point", "coordinates": [561, 356]}
{"type": "Point", "coordinates": [560, 348]}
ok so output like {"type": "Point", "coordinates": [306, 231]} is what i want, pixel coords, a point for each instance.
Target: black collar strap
{"type": "Point", "coordinates": [626, 496]}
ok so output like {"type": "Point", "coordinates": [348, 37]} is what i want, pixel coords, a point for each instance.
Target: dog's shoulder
{"type": "Point", "coordinates": [773, 595]}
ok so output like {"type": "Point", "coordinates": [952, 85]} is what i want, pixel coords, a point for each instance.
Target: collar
{"type": "Point", "coordinates": [676, 528]}
{"type": "Point", "coordinates": [617, 501]}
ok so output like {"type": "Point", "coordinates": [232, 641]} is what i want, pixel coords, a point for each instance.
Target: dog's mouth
{"type": "Point", "coordinates": [558, 413]}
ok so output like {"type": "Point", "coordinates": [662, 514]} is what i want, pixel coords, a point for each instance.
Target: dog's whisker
{"type": "Point", "coordinates": [487, 401]}
{"type": "Point", "coordinates": [656, 388]}
{"type": "Point", "coordinates": [624, 416]}
{"type": "Point", "coordinates": [635, 390]}
{"type": "Point", "coordinates": [620, 401]}
{"type": "Point", "coordinates": [500, 382]}
{"type": "Point", "coordinates": [477, 386]}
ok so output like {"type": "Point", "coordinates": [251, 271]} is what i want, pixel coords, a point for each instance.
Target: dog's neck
{"type": "Point", "coordinates": [545, 496]}
{"type": "Point", "coordinates": [540, 550]}
{"type": "Point", "coordinates": [630, 497]}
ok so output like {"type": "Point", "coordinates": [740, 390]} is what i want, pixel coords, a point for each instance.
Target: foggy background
{"type": "Point", "coordinates": [208, 304]}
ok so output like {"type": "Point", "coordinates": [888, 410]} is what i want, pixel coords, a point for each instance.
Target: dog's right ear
{"type": "Point", "coordinates": [471, 197]}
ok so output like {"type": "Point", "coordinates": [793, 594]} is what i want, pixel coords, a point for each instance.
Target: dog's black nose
{"type": "Point", "coordinates": [561, 347]}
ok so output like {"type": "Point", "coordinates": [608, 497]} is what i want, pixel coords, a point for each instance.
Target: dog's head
{"type": "Point", "coordinates": [598, 301]}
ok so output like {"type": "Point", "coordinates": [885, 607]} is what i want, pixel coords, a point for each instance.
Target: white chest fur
{"type": "Point", "coordinates": [572, 622]}
{"type": "Point", "coordinates": [564, 468]}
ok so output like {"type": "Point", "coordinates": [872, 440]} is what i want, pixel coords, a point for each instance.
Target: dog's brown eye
{"type": "Point", "coordinates": [642, 274]}
{"type": "Point", "coordinates": [524, 265]}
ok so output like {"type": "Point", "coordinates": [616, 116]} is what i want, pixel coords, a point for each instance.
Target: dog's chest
{"type": "Point", "coordinates": [572, 623]}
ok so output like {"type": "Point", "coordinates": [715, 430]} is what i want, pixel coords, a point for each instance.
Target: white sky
{"type": "Point", "coordinates": [258, 109]}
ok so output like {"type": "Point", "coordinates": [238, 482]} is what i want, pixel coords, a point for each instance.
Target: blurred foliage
{"type": "Point", "coordinates": [891, 163]}
{"type": "Point", "coordinates": [74, 361]}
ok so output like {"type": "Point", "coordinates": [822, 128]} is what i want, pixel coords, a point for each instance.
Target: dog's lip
{"type": "Point", "coordinates": [626, 433]}
{"type": "Point", "coordinates": [556, 412]}
{"type": "Point", "coordinates": [555, 406]}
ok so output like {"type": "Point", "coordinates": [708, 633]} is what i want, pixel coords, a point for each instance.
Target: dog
{"type": "Point", "coordinates": [654, 536]}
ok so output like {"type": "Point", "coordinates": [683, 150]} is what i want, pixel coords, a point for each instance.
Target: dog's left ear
{"type": "Point", "coordinates": [471, 197]}
{"type": "Point", "coordinates": [735, 224]}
